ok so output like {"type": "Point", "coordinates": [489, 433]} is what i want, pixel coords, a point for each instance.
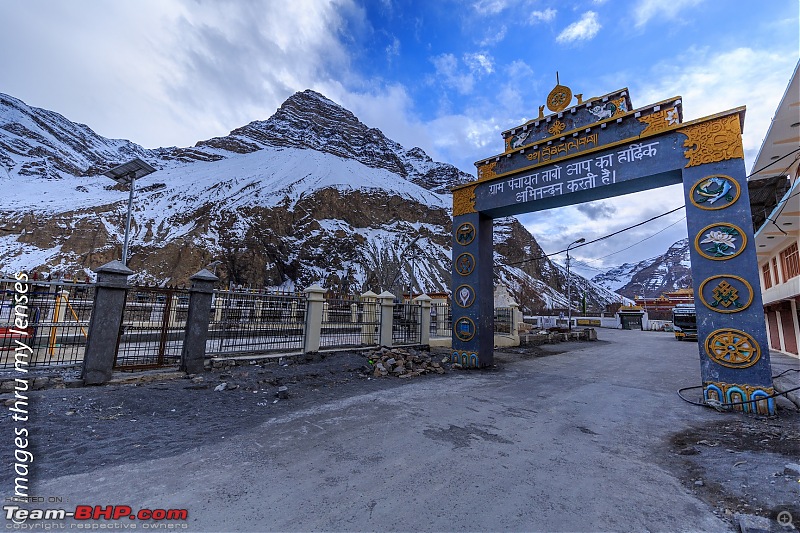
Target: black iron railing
{"type": "Point", "coordinates": [153, 327]}
{"type": "Point", "coordinates": [350, 322]}
{"type": "Point", "coordinates": [407, 323]}
{"type": "Point", "coordinates": [55, 316]}
{"type": "Point", "coordinates": [248, 322]}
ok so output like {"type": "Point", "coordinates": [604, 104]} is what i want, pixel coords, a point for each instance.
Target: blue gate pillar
{"type": "Point", "coordinates": [602, 148]}
{"type": "Point", "coordinates": [732, 338]}
{"type": "Point", "coordinates": [473, 295]}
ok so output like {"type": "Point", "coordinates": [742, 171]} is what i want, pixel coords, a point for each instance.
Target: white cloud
{"type": "Point", "coordinates": [393, 49]}
{"type": "Point", "coordinates": [542, 16]}
{"type": "Point", "coordinates": [201, 67]}
{"type": "Point", "coordinates": [449, 74]}
{"type": "Point", "coordinates": [583, 30]}
{"type": "Point", "coordinates": [494, 37]}
{"type": "Point", "coordinates": [646, 10]}
{"type": "Point", "coordinates": [490, 7]}
{"type": "Point", "coordinates": [479, 62]}
{"type": "Point", "coordinates": [710, 82]}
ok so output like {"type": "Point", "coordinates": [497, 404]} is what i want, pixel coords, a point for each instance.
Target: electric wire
{"type": "Point", "coordinates": [587, 243]}
{"type": "Point", "coordinates": [765, 167]}
{"type": "Point", "coordinates": [639, 242]}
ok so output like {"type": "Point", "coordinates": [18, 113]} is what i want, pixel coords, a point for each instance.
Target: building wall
{"type": "Point", "coordinates": [781, 295]}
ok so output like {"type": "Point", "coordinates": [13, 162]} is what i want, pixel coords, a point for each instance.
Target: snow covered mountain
{"type": "Point", "coordinates": [667, 272]}
{"type": "Point", "coordinates": [310, 195]}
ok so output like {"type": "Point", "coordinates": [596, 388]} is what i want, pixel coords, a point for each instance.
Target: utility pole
{"type": "Point", "coordinates": [569, 285]}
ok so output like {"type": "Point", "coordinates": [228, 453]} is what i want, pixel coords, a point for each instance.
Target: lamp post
{"type": "Point", "coordinates": [644, 295]}
{"type": "Point", "coordinates": [127, 174]}
{"type": "Point", "coordinates": [569, 285]}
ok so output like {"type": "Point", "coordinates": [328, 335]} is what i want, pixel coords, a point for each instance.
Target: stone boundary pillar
{"type": "Point", "coordinates": [369, 332]}
{"type": "Point", "coordinates": [516, 318]}
{"type": "Point", "coordinates": [315, 298]}
{"type": "Point", "coordinates": [197, 321]}
{"type": "Point", "coordinates": [386, 299]}
{"type": "Point", "coordinates": [104, 326]}
{"type": "Point", "coordinates": [425, 320]}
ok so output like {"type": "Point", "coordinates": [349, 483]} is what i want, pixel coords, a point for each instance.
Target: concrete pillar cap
{"type": "Point", "coordinates": [386, 295]}
{"type": "Point", "coordinates": [204, 275]}
{"type": "Point", "coordinates": [114, 267]}
{"type": "Point", "coordinates": [314, 288]}
{"type": "Point", "coordinates": [369, 294]}
{"type": "Point", "coordinates": [423, 298]}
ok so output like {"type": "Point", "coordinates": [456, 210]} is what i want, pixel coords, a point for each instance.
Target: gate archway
{"type": "Point", "coordinates": [600, 148]}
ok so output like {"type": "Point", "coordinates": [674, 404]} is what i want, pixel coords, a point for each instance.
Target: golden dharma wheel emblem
{"type": "Point", "coordinates": [559, 98]}
{"type": "Point", "coordinates": [732, 348]}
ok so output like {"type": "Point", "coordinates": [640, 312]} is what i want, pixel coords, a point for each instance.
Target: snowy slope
{"type": "Point", "coordinates": [310, 195]}
{"type": "Point", "coordinates": [666, 272]}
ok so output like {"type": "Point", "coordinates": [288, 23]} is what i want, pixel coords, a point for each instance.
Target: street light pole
{"type": "Point", "coordinates": [127, 174]}
{"type": "Point", "coordinates": [569, 285]}
{"type": "Point", "coordinates": [132, 176]}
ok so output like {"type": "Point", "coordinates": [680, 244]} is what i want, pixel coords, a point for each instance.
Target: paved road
{"type": "Point", "coordinates": [560, 443]}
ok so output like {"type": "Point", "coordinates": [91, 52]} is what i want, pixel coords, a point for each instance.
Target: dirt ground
{"type": "Point", "coordinates": [734, 465]}
{"type": "Point", "coordinates": [737, 465]}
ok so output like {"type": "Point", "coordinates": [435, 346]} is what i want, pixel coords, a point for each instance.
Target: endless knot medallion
{"type": "Point", "coordinates": [726, 293]}
{"type": "Point", "coordinates": [732, 348]}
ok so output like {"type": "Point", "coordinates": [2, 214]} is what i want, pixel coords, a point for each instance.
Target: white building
{"type": "Point", "coordinates": [775, 201]}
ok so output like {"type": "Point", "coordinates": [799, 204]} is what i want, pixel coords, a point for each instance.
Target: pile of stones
{"type": "Point", "coordinates": [401, 363]}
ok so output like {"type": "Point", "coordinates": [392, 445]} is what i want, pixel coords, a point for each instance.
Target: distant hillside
{"type": "Point", "coordinates": [310, 195]}
{"type": "Point", "coordinates": [651, 277]}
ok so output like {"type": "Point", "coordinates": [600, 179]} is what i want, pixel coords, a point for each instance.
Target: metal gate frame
{"type": "Point", "coordinates": [158, 331]}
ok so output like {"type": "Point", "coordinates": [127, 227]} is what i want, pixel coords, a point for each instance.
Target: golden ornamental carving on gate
{"type": "Point", "coordinates": [464, 201]}
{"type": "Point", "coordinates": [660, 121]}
{"type": "Point", "coordinates": [486, 171]}
{"type": "Point", "coordinates": [713, 141]}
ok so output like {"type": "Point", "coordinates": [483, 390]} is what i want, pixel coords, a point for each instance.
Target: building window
{"type": "Point", "coordinates": [775, 275]}
{"type": "Point", "coordinates": [790, 262]}
{"type": "Point", "coordinates": [766, 275]}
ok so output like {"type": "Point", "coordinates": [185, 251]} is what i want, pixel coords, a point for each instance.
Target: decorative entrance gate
{"type": "Point", "coordinates": [602, 148]}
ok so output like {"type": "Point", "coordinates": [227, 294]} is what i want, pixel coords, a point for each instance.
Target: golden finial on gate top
{"type": "Point", "coordinates": [560, 97]}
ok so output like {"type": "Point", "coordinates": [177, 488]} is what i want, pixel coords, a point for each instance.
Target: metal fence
{"type": "Point", "coordinates": [350, 322]}
{"type": "Point", "coordinates": [246, 322]}
{"type": "Point", "coordinates": [441, 319]}
{"type": "Point", "coordinates": [406, 323]}
{"type": "Point", "coordinates": [56, 315]}
{"type": "Point", "coordinates": [502, 320]}
{"type": "Point", "coordinates": [153, 327]}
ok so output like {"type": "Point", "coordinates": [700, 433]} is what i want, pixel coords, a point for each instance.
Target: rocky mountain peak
{"type": "Point", "coordinates": [667, 272]}
{"type": "Point", "coordinates": [309, 120]}
{"type": "Point", "coordinates": [43, 143]}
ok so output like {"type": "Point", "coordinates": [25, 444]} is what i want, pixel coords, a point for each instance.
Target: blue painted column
{"type": "Point", "coordinates": [473, 304]}
{"type": "Point", "coordinates": [732, 337]}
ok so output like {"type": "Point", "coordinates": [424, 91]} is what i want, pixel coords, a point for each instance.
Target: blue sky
{"type": "Point", "coordinates": [447, 76]}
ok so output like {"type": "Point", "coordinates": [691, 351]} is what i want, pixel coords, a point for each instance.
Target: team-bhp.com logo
{"type": "Point", "coordinates": [88, 512]}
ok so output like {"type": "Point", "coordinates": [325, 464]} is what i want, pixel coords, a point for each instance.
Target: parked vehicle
{"type": "Point", "coordinates": [684, 322]}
